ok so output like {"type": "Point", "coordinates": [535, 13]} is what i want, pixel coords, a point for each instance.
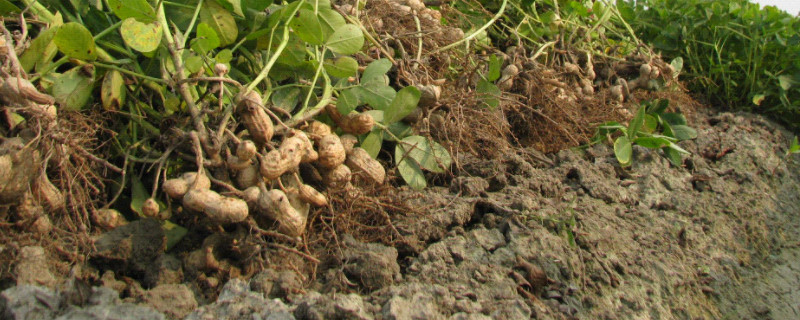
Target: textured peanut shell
{"type": "Point", "coordinates": [316, 130]}
{"type": "Point", "coordinates": [360, 163]}
{"type": "Point", "coordinates": [331, 151]}
{"type": "Point", "coordinates": [246, 150]}
{"type": "Point", "coordinates": [337, 178]}
{"type": "Point", "coordinates": [216, 207]}
{"type": "Point", "coordinates": [150, 208]}
{"type": "Point", "coordinates": [108, 219]}
{"type": "Point", "coordinates": [248, 177]}
{"type": "Point", "coordinates": [357, 123]}
{"type": "Point", "coordinates": [255, 118]}
{"type": "Point", "coordinates": [273, 165]}
{"type": "Point", "coordinates": [176, 188]}
{"type": "Point", "coordinates": [312, 196]}
{"type": "Point", "coordinates": [348, 141]}
{"type": "Point", "coordinates": [290, 222]}
{"type": "Point", "coordinates": [47, 194]}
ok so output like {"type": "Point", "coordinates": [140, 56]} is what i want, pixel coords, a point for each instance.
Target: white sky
{"type": "Point", "coordinates": [790, 6]}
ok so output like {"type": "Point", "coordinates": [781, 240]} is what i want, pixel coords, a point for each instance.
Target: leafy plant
{"type": "Point", "coordinates": [175, 69]}
{"type": "Point", "coordinates": [738, 54]}
{"type": "Point", "coordinates": [653, 128]}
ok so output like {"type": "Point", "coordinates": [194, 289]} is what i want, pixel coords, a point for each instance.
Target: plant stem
{"type": "Point", "coordinates": [285, 41]}
{"type": "Point", "coordinates": [476, 32]}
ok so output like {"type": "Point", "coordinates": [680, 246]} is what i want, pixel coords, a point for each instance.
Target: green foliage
{"type": "Point", "coordinates": [132, 57]}
{"type": "Point", "coordinates": [653, 128]}
{"type": "Point", "coordinates": [738, 54]}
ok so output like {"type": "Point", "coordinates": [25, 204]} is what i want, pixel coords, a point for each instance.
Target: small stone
{"type": "Point", "coordinates": [175, 300]}
{"type": "Point", "coordinates": [32, 267]}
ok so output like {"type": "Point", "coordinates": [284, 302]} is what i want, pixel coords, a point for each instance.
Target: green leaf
{"type": "Point", "coordinates": [142, 37]}
{"type": "Point", "coordinates": [399, 129]}
{"type": "Point", "coordinates": [674, 156]}
{"type": "Point", "coordinates": [224, 56]}
{"type": "Point", "coordinates": [677, 66]}
{"type": "Point", "coordinates": [7, 8]}
{"type": "Point", "coordinates": [193, 63]}
{"type": "Point", "coordinates": [683, 132]}
{"type": "Point", "coordinates": [489, 93]}
{"type": "Point", "coordinates": [758, 99]}
{"type": "Point", "coordinates": [330, 20]}
{"type": "Point", "coordinates": [673, 118]}
{"type": "Point", "coordinates": [659, 107]}
{"type": "Point", "coordinates": [373, 142]}
{"type": "Point", "coordinates": [206, 40]}
{"type": "Point", "coordinates": [678, 148]}
{"type": "Point", "coordinates": [346, 40]}
{"type": "Point", "coordinates": [651, 142]}
{"type": "Point", "coordinates": [428, 154]}
{"type": "Point", "coordinates": [173, 232]}
{"type": "Point", "coordinates": [650, 124]}
{"type": "Point", "coordinates": [307, 27]}
{"type": "Point", "coordinates": [410, 171]}
{"type": "Point", "coordinates": [286, 98]}
{"type": "Point", "coordinates": [72, 89]}
{"type": "Point", "coordinates": [348, 101]}
{"type": "Point", "coordinates": [341, 67]}
{"type": "Point", "coordinates": [221, 21]}
{"type": "Point", "coordinates": [403, 104]}
{"type": "Point", "coordinates": [113, 91]}
{"type": "Point", "coordinates": [137, 9]}
{"type": "Point", "coordinates": [494, 68]}
{"type": "Point", "coordinates": [636, 123]}
{"type": "Point", "coordinates": [376, 70]}
{"type": "Point", "coordinates": [623, 150]}
{"type": "Point", "coordinates": [41, 51]}
{"type": "Point", "coordinates": [138, 195]}
{"type": "Point", "coordinates": [794, 147]}
{"type": "Point", "coordinates": [785, 81]}
{"type": "Point", "coordinates": [377, 95]}
{"type": "Point", "coordinates": [256, 5]}
{"type": "Point", "coordinates": [75, 41]}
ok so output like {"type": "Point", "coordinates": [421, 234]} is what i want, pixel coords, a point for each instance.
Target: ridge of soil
{"type": "Point", "coordinates": [530, 236]}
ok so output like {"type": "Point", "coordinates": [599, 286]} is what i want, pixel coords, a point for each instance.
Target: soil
{"type": "Point", "coordinates": [561, 236]}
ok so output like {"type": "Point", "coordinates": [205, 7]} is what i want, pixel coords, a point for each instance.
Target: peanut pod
{"type": "Point", "coordinates": [176, 188]}
{"type": "Point", "coordinates": [312, 196]}
{"type": "Point", "coordinates": [361, 164]}
{"type": "Point", "coordinates": [357, 123]}
{"type": "Point", "coordinates": [255, 118]}
{"type": "Point", "coordinates": [108, 219]}
{"type": "Point", "coordinates": [337, 178]}
{"type": "Point", "coordinates": [280, 209]}
{"type": "Point", "coordinates": [331, 151]}
{"type": "Point", "coordinates": [216, 207]}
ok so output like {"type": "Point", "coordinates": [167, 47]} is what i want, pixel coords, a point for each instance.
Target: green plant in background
{"type": "Point", "coordinates": [738, 54]}
{"type": "Point", "coordinates": [652, 128]}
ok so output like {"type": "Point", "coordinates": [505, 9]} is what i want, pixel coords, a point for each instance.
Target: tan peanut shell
{"type": "Point", "coordinates": [42, 225]}
{"type": "Point", "coordinates": [273, 165]}
{"type": "Point", "coordinates": [150, 208]}
{"type": "Point", "coordinates": [316, 130]}
{"type": "Point", "coordinates": [176, 188]}
{"type": "Point", "coordinates": [312, 196]}
{"type": "Point", "coordinates": [357, 123]}
{"type": "Point", "coordinates": [429, 95]}
{"type": "Point", "coordinates": [248, 177]}
{"type": "Point", "coordinates": [108, 219]}
{"type": "Point", "coordinates": [308, 152]}
{"type": "Point", "coordinates": [46, 193]}
{"type": "Point", "coordinates": [360, 163]}
{"type": "Point", "coordinates": [348, 142]}
{"type": "Point", "coordinates": [337, 178]}
{"type": "Point", "coordinates": [331, 151]}
{"type": "Point", "coordinates": [290, 222]}
{"type": "Point", "coordinates": [255, 118]}
{"type": "Point", "coordinates": [216, 207]}
{"type": "Point", "coordinates": [237, 164]}
{"type": "Point", "coordinates": [246, 150]}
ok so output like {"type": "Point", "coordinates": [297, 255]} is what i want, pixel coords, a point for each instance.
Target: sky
{"type": "Point", "coordinates": [790, 6]}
